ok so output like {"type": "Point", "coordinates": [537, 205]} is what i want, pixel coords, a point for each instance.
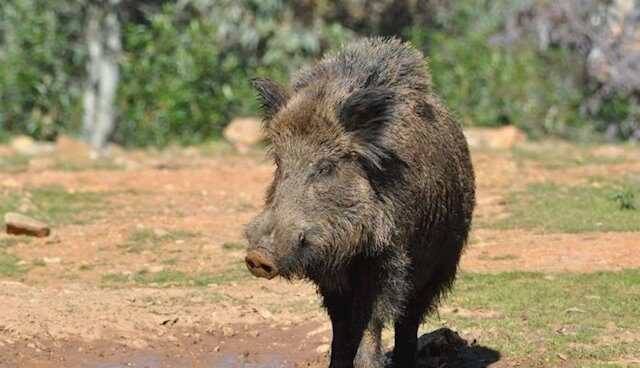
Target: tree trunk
{"type": "Point", "coordinates": [104, 48]}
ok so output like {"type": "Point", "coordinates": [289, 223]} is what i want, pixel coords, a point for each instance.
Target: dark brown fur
{"type": "Point", "coordinates": [372, 196]}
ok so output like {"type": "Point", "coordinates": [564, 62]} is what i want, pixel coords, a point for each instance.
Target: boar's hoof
{"type": "Point", "coordinates": [259, 266]}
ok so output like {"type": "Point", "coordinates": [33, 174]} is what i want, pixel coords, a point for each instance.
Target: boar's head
{"type": "Point", "coordinates": [326, 203]}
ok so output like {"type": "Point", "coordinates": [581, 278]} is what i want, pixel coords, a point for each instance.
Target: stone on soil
{"type": "Point", "coordinates": [243, 133]}
{"type": "Point", "coordinates": [18, 224]}
{"type": "Point", "coordinates": [505, 137]}
{"type": "Point", "coordinates": [73, 150]}
{"type": "Point", "coordinates": [26, 145]}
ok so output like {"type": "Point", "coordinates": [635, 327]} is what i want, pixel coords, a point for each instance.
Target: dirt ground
{"type": "Point", "coordinates": [64, 314]}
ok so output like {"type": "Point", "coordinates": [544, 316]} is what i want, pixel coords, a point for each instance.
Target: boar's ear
{"type": "Point", "coordinates": [365, 112]}
{"type": "Point", "coordinates": [364, 115]}
{"type": "Point", "coordinates": [271, 95]}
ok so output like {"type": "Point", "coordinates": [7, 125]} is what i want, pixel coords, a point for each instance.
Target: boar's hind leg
{"type": "Point", "coordinates": [406, 325]}
{"type": "Point", "coordinates": [406, 335]}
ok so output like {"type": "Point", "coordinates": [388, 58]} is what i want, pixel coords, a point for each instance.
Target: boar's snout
{"type": "Point", "coordinates": [260, 266]}
{"type": "Point", "coordinates": [270, 255]}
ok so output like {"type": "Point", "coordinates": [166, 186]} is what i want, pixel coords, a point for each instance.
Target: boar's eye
{"type": "Point", "coordinates": [324, 168]}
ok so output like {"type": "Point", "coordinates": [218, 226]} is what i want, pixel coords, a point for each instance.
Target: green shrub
{"type": "Point", "coordinates": [491, 85]}
{"type": "Point", "coordinates": [185, 65]}
{"type": "Point", "coordinates": [41, 67]}
{"type": "Point", "coordinates": [184, 70]}
{"type": "Point", "coordinates": [184, 77]}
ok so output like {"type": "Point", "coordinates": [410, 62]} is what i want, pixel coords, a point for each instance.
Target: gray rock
{"type": "Point", "coordinates": [18, 224]}
{"type": "Point", "coordinates": [243, 133]}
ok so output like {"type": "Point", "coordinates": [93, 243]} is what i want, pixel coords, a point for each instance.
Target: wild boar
{"type": "Point", "coordinates": [372, 195]}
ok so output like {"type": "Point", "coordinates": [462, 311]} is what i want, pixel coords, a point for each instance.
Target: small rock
{"type": "Point", "coordinates": [26, 145]}
{"type": "Point", "coordinates": [54, 238]}
{"type": "Point", "coordinates": [254, 333]}
{"type": "Point", "coordinates": [51, 260]}
{"type": "Point", "coordinates": [323, 349]}
{"type": "Point", "coordinates": [228, 331]}
{"type": "Point", "coordinates": [72, 149]}
{"type": "Point", "coordinates": [18, 224]}
{"type": "Point", "coordinates": [26, 205]}
{"type": "Point", "coordinates": [264, 313]}
{"type": "Point", "coordinates": [319, 330]}
{"type": "Point", "coordinates": [156, 268]}
{"type": "Point", "coordinates": [160, 232]}
{"type": "Point", "coordinates": [243, 133]}
{"type": "Point", "coordinates": [137, 344]}
{"type": "Point", "coordinates": [21, 143]}
{"type": "Point", "coordinates": [505, 137]}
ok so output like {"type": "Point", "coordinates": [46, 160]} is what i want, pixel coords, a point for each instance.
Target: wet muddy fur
{"type": "Point", "coordinates": [372, 196]}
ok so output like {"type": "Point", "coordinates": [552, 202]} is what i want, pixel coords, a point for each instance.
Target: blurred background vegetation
{"type": "Point", "coordinates": [568, 69]}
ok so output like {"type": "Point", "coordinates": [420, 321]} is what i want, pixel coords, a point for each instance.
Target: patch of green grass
{"type": "Point", "coordinates": [564, 157]}
{"type": "Point", "coordinates": [171, 261]}
{"type": "Point", "coordinates": [505, 257]}
{"type": "Point", "coordinates": [245, 206]}
{"type": "Point", "coordinates": [8, 203]}
{"type": "Point", "coordinates": [217, 298]}
{"type": "Point", "coordinates": [181, 278]}
{"type": "Point", "coordinates": [98, 164]}
{"type": "Point", "coordinates": [14, 164]}
{"type": "Point", "coordinates": [217, 147]}
{"type": "Point", "coordinates": [60, 206]}
{"type": "Point", "coordinates": [5, 137]}
{"type": "Point", "coordinates": [223, 277]}
{"type": "Point", "coordinates": [115, 277]}
{"type": "Point", "coordinates": [162, 277]}
{"type": "Point", "coordinates": [233, 246]}
{"type": "Point", "coordinates": [14, 240]}
{"type": "Point", "coordinates": [571, 209]}
{"type": "Point", "coordinates": [625, 199]}
{"type": "Point", "coordinates": [8, 242]}
{"type": "Point", "coordinates": [56, 205]}
{"type": "Point", "coordinates": [583, 317]}
{"type": "Point", "coordinates": [38, 262]}
{"type": "Point", "coordinates": [9, 265]}
{"type": "Point", "coordinates": [141, 240]}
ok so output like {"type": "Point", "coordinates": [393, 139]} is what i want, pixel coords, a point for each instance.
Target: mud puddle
{"type": "Point", "coordinates": [236, 346]}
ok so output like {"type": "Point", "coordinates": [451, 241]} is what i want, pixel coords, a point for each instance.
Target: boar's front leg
{"type": "Point", "coordinates": [370, 350]}
{"type": "Point", "coordinates": [343, 346]}
{"type": "Point", "coordinates": [356, 328]}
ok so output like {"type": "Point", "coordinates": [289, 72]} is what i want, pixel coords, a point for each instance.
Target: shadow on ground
{"type": "Point", "coordinates": [445, 348]}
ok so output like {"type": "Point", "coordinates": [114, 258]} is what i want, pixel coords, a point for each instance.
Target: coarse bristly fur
{"type": "Point", "coordinates": [372, 197]}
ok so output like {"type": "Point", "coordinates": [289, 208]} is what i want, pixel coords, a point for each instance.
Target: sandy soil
{"type": "Point", "coordinates": [64, 315]}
